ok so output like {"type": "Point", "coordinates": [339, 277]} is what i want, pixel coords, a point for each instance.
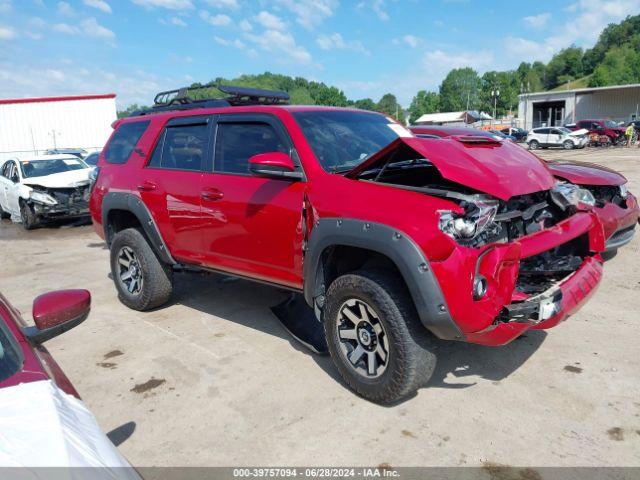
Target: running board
{"type": "Point", "coordinates": [300, 321]}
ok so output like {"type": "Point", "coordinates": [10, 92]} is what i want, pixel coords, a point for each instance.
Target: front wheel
{"type": "Point", "coordinates": [374, 336]}
{"type": "Point", "coordinates": [568, 144]}
{"type": "Point", "coordinates": [142, 281]}
{"type": "Point", "coordinates": [28, 218]}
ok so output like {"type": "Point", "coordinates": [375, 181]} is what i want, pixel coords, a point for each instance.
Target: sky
{"type": "Point", "coordinates": [135, 48]}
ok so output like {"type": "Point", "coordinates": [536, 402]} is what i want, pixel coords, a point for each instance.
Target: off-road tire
{"type": "Point", "coordinates": [28, 218]}
{"type": "Point", "coordinates": [568, 145]}
{"type": "Point", "coordinates": [534, 145]}
{"type": "Point", "coordinates": [157, 284]}
{"type": "Point", "coordinates": [411, 358]}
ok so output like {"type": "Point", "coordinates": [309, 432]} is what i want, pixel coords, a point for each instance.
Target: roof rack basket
{"type": "Point", "coordinates": [181, 98]}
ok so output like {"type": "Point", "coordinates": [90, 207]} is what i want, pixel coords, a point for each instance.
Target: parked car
{"type": "Point", "coordinates": [608, 128]}
{"type": "Point", "coordinates": [92, 159]}
{"type": "Point", "coordinates": [42, 419]}
{"type": "Point", "coordinates": [616, 208]}
{"type": "Point", "coordinates": [38, 189]}
{"type": "Point", "coordinates": [501, 135]}
{"type": "Point", "coordinates": [388, 236]}
{"type": "Point", "coordinates": [546, 137]}
{"type": "Point", "coordinates": [519, 134]}
{"type": "Point", "coordinates": [76, 152]}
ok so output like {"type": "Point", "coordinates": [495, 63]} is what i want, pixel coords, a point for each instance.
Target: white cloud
{"type": "Point", "coordinates": [177, 21]}
{"type": "Point", "coordinates": [66, 28]}
{"type": "Point", "coordinates": [439, 61]}
{"type": "Point", "coordinates": [230, 4]}
{"type": "Point", "coordinates": [230, 43]}
{"type": "Point", "coordinates": [270, 21]}
{"type": "Point", "coordinates": [537, 21]}
{"type": "Point", "coordinates": [168, 4]}
{"type": "Point", "coordinates": [92, 28]}
{"type": "Point", "coordinates": [587, 20]}
{"type": "Point", "coordinates": [219, 20]}
{"type": "Point", "coordinates": [336, 42]}
{"type": "Point", "coordinates": [7, 33]}
{"type": "Point", "coordinates": [5, 6]}
{"type": "Point", "coordinates": [283, 43]}
{"type": "Point", "coordinates": [65, 9]}
{"type": "Point", "coordinates": [412, 40]}
{"type": "Point", "coordinates": [245, 25]}
{"type": "Point", "coordinates": [99, 4]}
{"type": "Point", "coordinates": [377, 6]}
{"type": "Point", "coordinates": [310, 13]}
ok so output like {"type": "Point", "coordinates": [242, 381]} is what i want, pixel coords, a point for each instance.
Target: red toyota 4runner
{"type": "Point", "coordinates": [391, 238]}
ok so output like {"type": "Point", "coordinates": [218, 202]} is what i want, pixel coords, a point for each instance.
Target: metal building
{"type": "Point", "coordinates": [33, 125]}
{"type": "Point", "coordinates": [620, 103]}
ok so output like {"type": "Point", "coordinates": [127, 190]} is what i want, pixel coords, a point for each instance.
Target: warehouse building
{"type": "Point", "coordinates": [30, 126]}
{"type": "Point", "coordinates": [620, 103]}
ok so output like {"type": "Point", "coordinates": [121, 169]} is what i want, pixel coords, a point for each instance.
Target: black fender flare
{"type": "Point", "coordinates": [400, 249]}
{"type": "Point", "coordinates": [133, 204]}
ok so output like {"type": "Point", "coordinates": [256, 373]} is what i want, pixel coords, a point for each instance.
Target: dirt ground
{"type": "Point", "coordinates": [214, 380]}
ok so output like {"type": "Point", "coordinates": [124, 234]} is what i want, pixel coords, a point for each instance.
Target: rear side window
{"type": "Point", "coordinates": [237, 142]}
{"type": "Point", "coordinates": [181, 147]}
{"type": "Point", "coordinates": [124, 141]}
{"type": "Point", "coordinates": [541, 131]}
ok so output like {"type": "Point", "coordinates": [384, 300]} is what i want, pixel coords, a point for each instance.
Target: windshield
{"type": "Point", "coordinates": [565, 130]}
{"type": "Point", "coordinates": [40, 168]}
{"type": "Point", "coordinates": [343, 139]}
{"type": "Point", "coordinates": [610, 124]}
{"type": "Point", "coordinates": [10, 355]}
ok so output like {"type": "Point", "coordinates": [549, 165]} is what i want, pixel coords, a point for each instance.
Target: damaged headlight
{"type": "Point", "coordinates": [41, 197]}
{"type": "Point", "coordinates": [623, 191]}
{"type": "Point", "coordinates": [567, 195]}
{"type": "Point", "coordinates": [477, 218]}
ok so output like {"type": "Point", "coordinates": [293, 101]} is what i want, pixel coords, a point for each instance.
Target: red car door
{"type": "Point", "coordinates": [170, 184]}
{"type": "Point", "coordinates": [252, 225]}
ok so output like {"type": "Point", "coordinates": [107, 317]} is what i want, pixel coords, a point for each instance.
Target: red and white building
{"type": "Point", "coordinates": [30, 126]}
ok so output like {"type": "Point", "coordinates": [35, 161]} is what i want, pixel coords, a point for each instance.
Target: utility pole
{"type": "Point", "coordinates": [495, 93]}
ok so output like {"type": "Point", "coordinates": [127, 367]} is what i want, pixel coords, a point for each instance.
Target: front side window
{"type": "Point", "coordinates": [123, 142]}
{"type": "Point", "coordinates": [42, 168]}
{"type": "Point", "coordinates": [341, 140]}
{"type": "Point", "coordinates": [181, 147]}
{"type": "Point", "coordinates": [237, 142]}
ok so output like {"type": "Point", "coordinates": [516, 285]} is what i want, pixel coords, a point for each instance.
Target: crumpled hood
{"type": "Point", "coordinates": [586, 173]}
{"type": "Point", "coordinates": [578, 133]}
{"type": "Point", "coordinates": [500, 169]}
{"type": "Point", "coordinates": [73, 178]}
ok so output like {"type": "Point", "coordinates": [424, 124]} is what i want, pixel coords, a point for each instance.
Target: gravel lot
{"type": "Point", "coordinates": [214, 380]}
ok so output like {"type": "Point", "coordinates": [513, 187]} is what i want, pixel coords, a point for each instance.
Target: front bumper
{"type": "Point", "coordinates": [618, 222]}
{"type": "Point", "coordinates": [545, 310]}
{"type": "Point", "coordinates": [483, 321]}
{"type": "Point", "coordinates": [76, 209]}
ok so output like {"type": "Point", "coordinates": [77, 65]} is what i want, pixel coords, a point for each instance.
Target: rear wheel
{"type": "Point", "coordinates": [374, 337]}
{"type": "Point", "coordinates": [142, 281]}
{"type": "Point", "coordinates": [568, 144]}
{"type": "Point", "coordinates": [534, 145]}
{"type": "Point", "coordinates": [4, 214]}
{"type": "Point", "coordinates": [28, 217]}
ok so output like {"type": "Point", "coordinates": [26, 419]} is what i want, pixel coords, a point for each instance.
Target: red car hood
{"type": "Point", "coordinates": [501, 169]}
{"type": "Point", "coordinates": [586, 173]}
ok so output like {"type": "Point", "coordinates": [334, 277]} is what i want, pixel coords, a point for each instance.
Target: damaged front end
{"type": "Point", "coordinates": [51, 203]}
{"type": "Point", "coordinates": [525, 247]}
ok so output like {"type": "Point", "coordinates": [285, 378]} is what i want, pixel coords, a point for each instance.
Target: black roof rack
{"type": "Point", "coordinates": [180, 99]}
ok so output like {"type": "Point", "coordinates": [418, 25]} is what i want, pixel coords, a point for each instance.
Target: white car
{"type": "Point", "coordinates": [37, 189]}
{"type": "Point", "coordinates": [562, 137]}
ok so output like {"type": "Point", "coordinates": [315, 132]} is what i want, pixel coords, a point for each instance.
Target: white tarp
{"type": "Point", "coordinates": [42, 426]}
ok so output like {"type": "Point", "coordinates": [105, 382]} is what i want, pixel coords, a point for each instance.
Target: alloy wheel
{"type": "Point", "coordinates": [362, 338]}
{"type": "Point", "coordinates": [129, 271]}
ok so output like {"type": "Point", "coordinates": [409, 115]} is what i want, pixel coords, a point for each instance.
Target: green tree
{"type": "Point", "coordinates": [507, 86]}
{"type": "Point", "coordinates": [365, 104]}
{"type": "Point", "coordinates": [423, 102]}
{"type": "Point", "coordinates": [389, 105]}
{"type": "Point", "coordinates": [129, 110]}
{"type": "Point", "coordinates": [621, 65]}
{"type": "Point", "coordinates": [459, 90]}
{"type": "Point", "coordinates": [566, 64]}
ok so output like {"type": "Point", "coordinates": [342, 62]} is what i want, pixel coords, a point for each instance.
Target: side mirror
{"type": "Point", "coordinates": [274, 165]}
{"type": "Point", "coordinates": [57, 312]}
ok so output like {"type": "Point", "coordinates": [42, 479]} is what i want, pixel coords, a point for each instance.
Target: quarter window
{"type": "Point", "coordinates": [181, 147]}
{"type": "Point", "coordinates": [237, 142]}
{"type": "Point", "coordinates": [124, 141]}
